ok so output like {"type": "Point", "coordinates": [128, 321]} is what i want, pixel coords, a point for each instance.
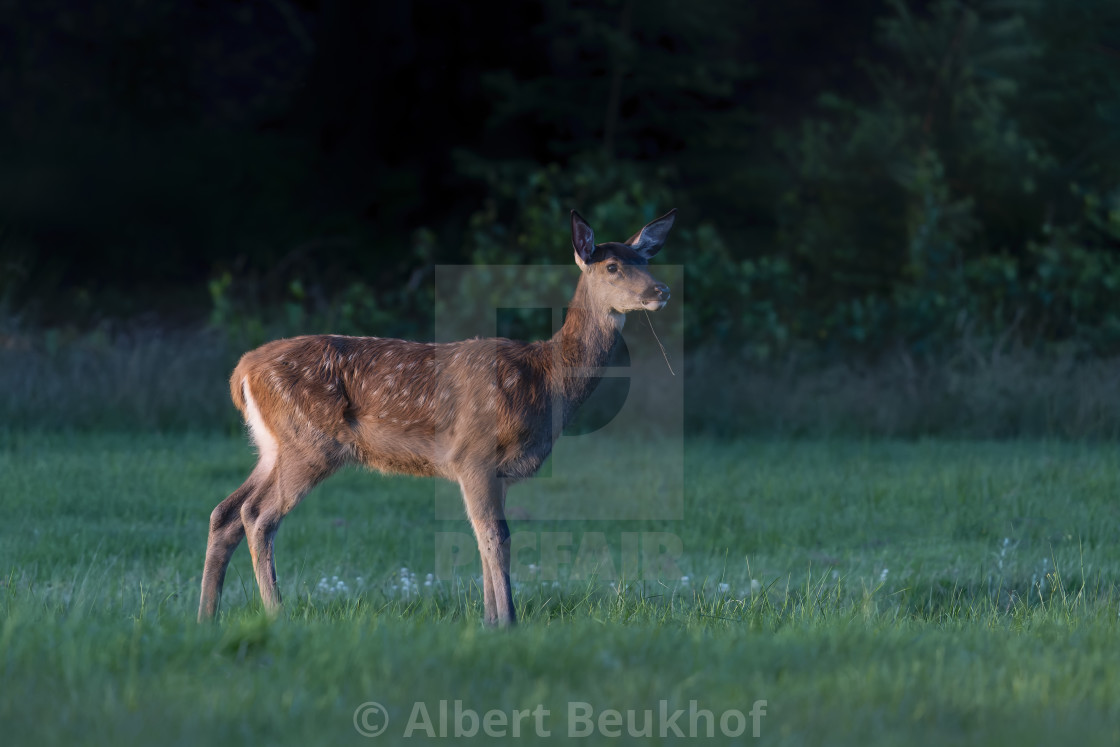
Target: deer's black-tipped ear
{"type": "Point", "coordinates": [651, 238]}
{"type": "Point", "coordinates": [583, 239]}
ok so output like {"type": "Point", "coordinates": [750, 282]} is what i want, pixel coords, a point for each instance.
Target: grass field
{"type": "Point", "coordinates": [870, 592]}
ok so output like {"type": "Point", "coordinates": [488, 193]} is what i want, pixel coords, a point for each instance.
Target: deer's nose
{"type": "Point", "coordinates": [661, 290]}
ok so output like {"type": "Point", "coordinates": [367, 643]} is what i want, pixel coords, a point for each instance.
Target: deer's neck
{"type": "Point", "coordinates": [581, 348]}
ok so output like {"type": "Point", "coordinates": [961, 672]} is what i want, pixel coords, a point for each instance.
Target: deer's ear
{"type": "Point", "coordinates": [583, 240]}
{"type": "Point", "coordinates": [650, 239]}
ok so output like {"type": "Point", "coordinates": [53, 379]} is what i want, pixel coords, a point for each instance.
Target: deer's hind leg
{"type": "Point", "coordinates": [293, 478]}
{"type": "Point", "coordinates": [226, 531]}
{"type": "Point", "coordinates": [227, 526]}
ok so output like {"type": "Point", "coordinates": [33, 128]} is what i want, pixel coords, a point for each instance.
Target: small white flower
{"type": "Point", "coordinates": [755, 586]}
{"type": "Point", "coordinates": [883, 575]}
{"type": "Point", "coordinates": [684, 580]}
{"type": "Point", "coordinates": [724, 588]}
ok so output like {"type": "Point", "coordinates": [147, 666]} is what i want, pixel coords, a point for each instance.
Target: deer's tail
{"type": "Point", "coordinates": [237, 388]}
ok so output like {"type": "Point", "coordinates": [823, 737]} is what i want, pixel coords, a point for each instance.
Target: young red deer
{"type": "Point", "coordinates": [479, 412]}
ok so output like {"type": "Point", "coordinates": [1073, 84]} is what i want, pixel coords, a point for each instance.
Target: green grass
{"type": "Point", "coordinates": [875, 592]}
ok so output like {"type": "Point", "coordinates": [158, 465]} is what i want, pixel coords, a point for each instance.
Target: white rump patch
{"type": "Point", "coordinates": [267, 447]}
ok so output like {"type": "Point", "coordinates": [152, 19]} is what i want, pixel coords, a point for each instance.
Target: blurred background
{"type": "Point", "coordinates": [896, 217]}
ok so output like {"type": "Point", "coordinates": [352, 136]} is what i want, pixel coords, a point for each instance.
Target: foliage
{"type": "Point", "coordinates": [944, 206]}
{"type": "Point", "coordinates": [254, 310]}
{"type": "Point", "coordinates": [525, 219]}
{"type": "Point", "coordinates": [946, 202]}
{"type": "Point", "coordinates": [614, 79]}
{"type": "Point", "coordinates": [956, 179]}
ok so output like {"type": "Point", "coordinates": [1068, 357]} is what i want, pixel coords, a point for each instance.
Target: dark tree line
{"type": "Point", "coordinates": [865, 174]}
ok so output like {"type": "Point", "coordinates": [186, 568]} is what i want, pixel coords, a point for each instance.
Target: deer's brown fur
{"type": "Point", "coordinates": [483, 413]}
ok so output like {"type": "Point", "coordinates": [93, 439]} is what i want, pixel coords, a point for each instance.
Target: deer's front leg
{"type": "Point", "coordinates": [489, 607]}
{"type": "Point", "coordinates": [485, 499]}
{"type": "Point", "coordinates": [499, 576]}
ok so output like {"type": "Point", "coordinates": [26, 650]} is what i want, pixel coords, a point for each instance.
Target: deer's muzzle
{"type": "Point", "coordinates": [656, 297]}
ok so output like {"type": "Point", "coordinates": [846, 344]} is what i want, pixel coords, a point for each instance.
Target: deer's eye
{"type": "Point", "coordinates": [612, 268]}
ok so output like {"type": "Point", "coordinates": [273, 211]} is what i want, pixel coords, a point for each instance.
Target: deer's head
{"type": "Point", "coordinates": [616, 274]}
